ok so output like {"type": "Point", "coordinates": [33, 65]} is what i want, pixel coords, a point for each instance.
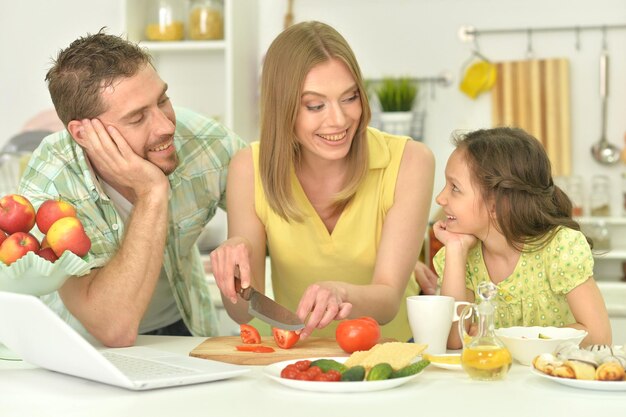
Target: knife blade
{"type": "Point", "coordinates": [266, 309]}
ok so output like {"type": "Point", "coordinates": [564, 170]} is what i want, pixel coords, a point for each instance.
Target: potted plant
{"type": "Point", "coordinates": [396, 97]}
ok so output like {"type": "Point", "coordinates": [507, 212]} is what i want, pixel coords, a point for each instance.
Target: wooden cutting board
{"type": "Point", "coordinates": [223, 349]}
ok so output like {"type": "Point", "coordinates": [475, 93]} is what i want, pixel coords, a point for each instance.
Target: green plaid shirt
{"type": "Point", "coordinates": [59, 168]}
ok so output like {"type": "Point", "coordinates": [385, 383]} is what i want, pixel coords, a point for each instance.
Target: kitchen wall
{"type": "Point", "coordinates": [393, 37]}
{"type": "Point", "coordinates": [419, 37]}
{"type": "Point", "coordinates": [31, 34]}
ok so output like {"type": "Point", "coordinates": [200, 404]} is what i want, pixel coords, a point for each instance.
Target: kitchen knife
{"type": "Point", "coordinates": [268, 310]}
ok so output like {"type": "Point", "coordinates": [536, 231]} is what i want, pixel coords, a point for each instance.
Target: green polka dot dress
{"type": "Point", "coordinates": [534, 294]}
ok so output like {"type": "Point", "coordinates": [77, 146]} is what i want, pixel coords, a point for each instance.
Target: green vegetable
{"type": "Point", "coordinates": [411, 369]}
{"type": "Point", "coordinates": [356, 373]}
{"type": "Point", "coordinates": [327, 364]}
{"type": "Point", "coordinates": [379, 372]}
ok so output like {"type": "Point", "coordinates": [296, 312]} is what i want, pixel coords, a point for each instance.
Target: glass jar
{"type": "Point", "coordinates": [600, 196]}
{"type": "Point", "coordinates": [206, 20]}
{"type": "Point", "coordinates": [165, 20]}
{"type": "Point", "coordinates": [600, 235]}
{"type": "Point", "coordinates": [576, 194]}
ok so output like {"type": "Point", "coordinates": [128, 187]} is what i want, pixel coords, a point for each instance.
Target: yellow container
{"type": "Point", "coordinates": [165, 20]}
{"type": "Point", "coordinates": [206, 20]}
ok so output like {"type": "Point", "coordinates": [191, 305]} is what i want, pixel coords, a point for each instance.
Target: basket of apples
{"type": "Point", "coordinates": [29, 266]}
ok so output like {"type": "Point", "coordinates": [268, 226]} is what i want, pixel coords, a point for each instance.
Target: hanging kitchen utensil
{"type": "Point", "coordinates": [603, 151]}
{"type": "Point", "coordinates": [289, 14]}
{"type": "Point", "coordinates": [478, 74]}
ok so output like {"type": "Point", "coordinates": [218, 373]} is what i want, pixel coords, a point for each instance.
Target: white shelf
{"type": "Point", "coordinates": [588, 220]}
{"type": "Point", "coordinates": [217, 78]}
{"type": "Point", "coordinates": [611, 254]}
{"type": "Point", "coordinates": [184, 46]}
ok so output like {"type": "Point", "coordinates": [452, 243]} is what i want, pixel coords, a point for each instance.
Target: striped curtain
{"type": "Point", "coordinates": [535, 95]}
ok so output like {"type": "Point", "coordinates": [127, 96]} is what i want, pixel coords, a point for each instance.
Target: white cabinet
{"type": "Point", "coordinates": [614, 294]}
{"type": "Point", "coordinates": [215, 78]}
{"type": "Point", "coordinates": [610, 252]}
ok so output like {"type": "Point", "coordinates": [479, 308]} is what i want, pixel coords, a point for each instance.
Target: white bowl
{"type": "Point", "coordinates": [524, 342]}
{"type": "Point", "coordinates": [32, 274]}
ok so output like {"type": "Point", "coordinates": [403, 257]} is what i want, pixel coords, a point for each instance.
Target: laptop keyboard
{"type": "Point", "coordinates": [141, 369]}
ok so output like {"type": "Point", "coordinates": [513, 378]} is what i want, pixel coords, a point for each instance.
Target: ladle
{"type": "Point", "coordinates": [603, 151]}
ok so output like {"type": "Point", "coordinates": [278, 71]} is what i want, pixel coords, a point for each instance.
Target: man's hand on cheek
{"type": "Point", "coordinates": [117, 163]}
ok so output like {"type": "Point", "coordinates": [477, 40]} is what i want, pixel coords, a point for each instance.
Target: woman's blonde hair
{"type": "Point", "coordinates": [289, 59]}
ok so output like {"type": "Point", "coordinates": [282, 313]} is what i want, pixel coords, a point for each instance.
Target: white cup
{"type": "Point", "coordinates": [430, 318]}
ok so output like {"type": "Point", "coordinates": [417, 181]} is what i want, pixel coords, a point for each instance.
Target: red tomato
{"type": "Point", "coordinates": [357, 334]}
{"type": "Point", "coordinates": [302, 376]}
{"type": "Point", "coordinates": [313, 371]}
{"type": "Point", "coordinates": [255, 348]}
{"type": "Point", "coordinates": [302, 371]}
{"type": "Point", "coordinates": [285, 338]}
{"type": "Point", "coordinates": [333, 375]}
{"type": "Point", "coordinates": [249, 334]}
{"type": "Point", "coordinates": [289, 373]}
{"type": "Point", "coordinates": [303, 365]}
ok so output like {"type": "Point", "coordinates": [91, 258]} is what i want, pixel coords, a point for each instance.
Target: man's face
{"type": "Point", "coordinates": [142, 112]}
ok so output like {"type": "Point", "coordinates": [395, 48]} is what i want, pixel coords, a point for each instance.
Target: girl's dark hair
{"type": "Point", "coordinates": [512, 169]}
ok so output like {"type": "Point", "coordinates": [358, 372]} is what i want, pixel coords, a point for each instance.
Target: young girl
{"type": "Point", "coordinates": [507, 222]}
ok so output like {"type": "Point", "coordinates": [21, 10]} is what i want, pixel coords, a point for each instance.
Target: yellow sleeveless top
{"type": "Point", "coordinates": [305, 253]}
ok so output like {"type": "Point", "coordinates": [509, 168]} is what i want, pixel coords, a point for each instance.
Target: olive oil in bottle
{"type": "Point", "coordinates": [484, 356]}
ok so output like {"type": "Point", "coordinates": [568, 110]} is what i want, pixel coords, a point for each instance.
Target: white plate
{"type": "Point", "coordinates": [273, 371]}
{"type": "Point", "coordinates": [453, 367]}
{"type": "Point", "coordinates": [579, 383]}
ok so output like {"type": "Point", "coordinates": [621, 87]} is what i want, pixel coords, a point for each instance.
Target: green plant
{"type": "Point", "coordinates": [397, 94]}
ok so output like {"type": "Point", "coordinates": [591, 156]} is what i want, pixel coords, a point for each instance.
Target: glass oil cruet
{"type": "Point", "coordinates": [484, 356]}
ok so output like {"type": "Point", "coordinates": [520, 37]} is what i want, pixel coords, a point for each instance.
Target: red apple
{"type": "Point", "coordinates": [51, 211]}
{"type": "Point", "coordinates": [16, 214]}
{"type": "Point", "coordinates": [17, 245]}
{"type": "Point", "coordinates": [48, 254]}
{"type": "Point", "coordinates": [3, 237]}
{"type": "Point", "coordinates": [68, 234]}
{"type": "Point", "coordinates": [44, 243]}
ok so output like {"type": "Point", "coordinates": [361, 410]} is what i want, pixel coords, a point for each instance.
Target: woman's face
{"type": "Point", "coordinates": [329, 112]}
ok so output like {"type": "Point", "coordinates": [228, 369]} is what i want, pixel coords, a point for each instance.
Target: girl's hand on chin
{"type": "Point", "coordinates": [464, 241]}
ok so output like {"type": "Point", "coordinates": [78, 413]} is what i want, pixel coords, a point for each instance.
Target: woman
{"type": "Point", "coordinates": [343, 207]}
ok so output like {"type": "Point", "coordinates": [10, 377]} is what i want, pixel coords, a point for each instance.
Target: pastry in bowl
{"type": "Point", "coordinates": [526, 343]}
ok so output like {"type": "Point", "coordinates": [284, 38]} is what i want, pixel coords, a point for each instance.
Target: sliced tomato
{"type": "Point", "coordinates": [249, 334]}
{"type": "Point", "coordinates": [255, 348]}
{"type": "Point", "coordinates": [285, 338]}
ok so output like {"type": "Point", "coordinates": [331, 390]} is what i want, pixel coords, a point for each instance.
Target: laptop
{"type": "Point", "coordinates": [39, 336]}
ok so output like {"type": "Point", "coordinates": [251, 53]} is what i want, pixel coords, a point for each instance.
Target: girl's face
{"type": "Point", "coordinates": [329, 113]}
{"type": "Point", "coordinates": [461, 201]}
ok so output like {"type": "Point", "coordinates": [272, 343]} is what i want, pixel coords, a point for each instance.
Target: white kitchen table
{"type": "Point", "coordinates": [29, 391]}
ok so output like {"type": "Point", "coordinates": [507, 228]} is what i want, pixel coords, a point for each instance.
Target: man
{"type": "Point", "coordinates": [144, 180]}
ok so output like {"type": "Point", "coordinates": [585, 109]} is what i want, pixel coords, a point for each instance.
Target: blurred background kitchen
{"type": "Point", "coordinates": [476, 63]}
